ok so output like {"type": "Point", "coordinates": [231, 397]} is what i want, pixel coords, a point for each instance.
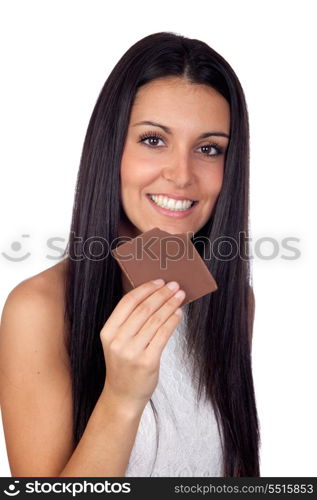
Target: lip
{"type": "Point", "coordinates": [177, 214]}
{"type": "Point", "coordinates": [173, 196]}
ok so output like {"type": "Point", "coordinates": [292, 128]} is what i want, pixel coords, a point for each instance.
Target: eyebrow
{"type": "Point", "coordinates": [167, 130]}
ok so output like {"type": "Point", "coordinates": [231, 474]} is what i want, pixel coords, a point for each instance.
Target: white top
{"type": "Point", "coordinates": [189, 441]}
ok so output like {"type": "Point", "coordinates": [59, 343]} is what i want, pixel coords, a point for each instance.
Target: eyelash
{"type": "Point", "coordinates": [155, 135]}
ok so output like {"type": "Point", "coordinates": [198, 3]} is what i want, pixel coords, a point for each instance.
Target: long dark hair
{"type": "Point", "coordinates": [219, 326]}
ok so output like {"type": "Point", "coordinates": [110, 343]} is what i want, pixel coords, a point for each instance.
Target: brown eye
{"type": "Point", "coordinates": [211, 150]}
{"type": "Point", "coordinates": [154, 138]}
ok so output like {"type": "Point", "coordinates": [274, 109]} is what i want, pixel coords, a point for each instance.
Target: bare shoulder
{"type": "Point", "coordinates": [48, 283]}
{"type": "Point", "coordinates": [40, 300]}
{"type": "Point", "coordinates": [35, 381]}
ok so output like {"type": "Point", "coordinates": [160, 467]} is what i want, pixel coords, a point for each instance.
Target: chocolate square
{"type": "Point", "coordinates": [172, 257]}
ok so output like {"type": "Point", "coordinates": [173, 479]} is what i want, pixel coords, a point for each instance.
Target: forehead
{"type": "Point", "coordinates": [175, 100]}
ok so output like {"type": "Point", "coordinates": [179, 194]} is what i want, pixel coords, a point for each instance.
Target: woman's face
{"type": "Point", "coordinates": [179, 156]}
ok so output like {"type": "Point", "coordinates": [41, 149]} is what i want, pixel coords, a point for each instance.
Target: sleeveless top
{"type": "Point", "coordinates": [185, 442]}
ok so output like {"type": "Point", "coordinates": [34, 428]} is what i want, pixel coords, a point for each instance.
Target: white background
{"type": "Point", "coordinates": [55, 58]}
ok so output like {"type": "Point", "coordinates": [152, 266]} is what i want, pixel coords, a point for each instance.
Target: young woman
{"type": "Point", "coordinates": [99, 381]}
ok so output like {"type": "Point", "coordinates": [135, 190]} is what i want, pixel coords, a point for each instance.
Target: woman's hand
{"type": "Point", "coordinates": [134, 337]}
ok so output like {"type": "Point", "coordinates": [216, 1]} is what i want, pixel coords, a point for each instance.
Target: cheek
{"type": "Point", "coordinates": [212, 182]}
{"type": "Point", "coordinates": [136, 173]}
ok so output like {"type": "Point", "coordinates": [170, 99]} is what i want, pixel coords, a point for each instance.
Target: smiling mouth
{"type": "Point", "coordinates": [172, 204]}
{"type": "Point", "coordinates": [176, 211]}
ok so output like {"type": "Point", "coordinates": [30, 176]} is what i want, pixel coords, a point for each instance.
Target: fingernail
{"type": "Point", "coordinates": [180, 294]}
{"type": "Point", "coordinates": [159, 282]}
{"type": "Point", "coordinates": [172, 285]}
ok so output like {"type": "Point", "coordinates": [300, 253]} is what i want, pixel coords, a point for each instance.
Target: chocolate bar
{"type": "Point", "coordinates": [172, 257]}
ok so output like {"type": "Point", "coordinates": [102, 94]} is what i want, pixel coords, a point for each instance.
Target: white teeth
{"type": "Point", "coordinates": [170, 203]}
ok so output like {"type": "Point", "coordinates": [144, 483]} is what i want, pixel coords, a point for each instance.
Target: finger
{"type": "Point", "coordinates": [156, 320]}
{"type": "Point", "coordinates": [129, 302]}
{"type": "Point", "coordinates": [155, 348]}
{"type": "Point", "coordinates": [147, 308]}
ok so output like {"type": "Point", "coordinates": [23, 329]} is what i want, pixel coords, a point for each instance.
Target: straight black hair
{"type": "Point", "coordinates": [219, 325]}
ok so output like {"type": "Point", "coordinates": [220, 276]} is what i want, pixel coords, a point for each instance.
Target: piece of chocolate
{"type": "Point", "coordinates": [172, 257]}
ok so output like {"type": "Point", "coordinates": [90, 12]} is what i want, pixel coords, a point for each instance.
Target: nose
{"type": "Point", "coordinates": [179, 170]}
